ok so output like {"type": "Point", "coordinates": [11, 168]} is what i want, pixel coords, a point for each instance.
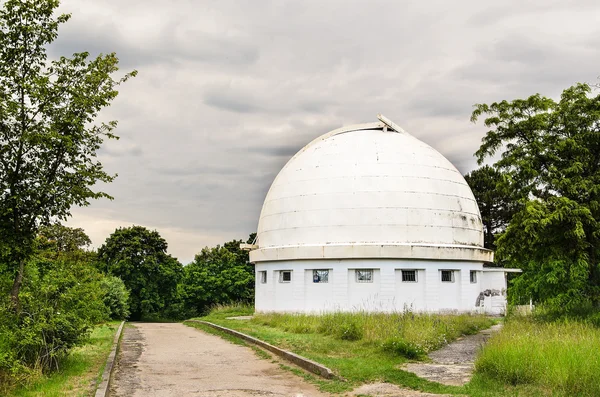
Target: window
{"type": "Point", "coordinates": [262, 276]}
{"type": "Point", "coordinates": [321, 276]}
{"type": "Point", "coordinates": [364, 275]}
{"type": "Point", "coordinates": [409, 276]}
{"type": "Point", "coordinates": [473, 275]}
{"type": "Point", "coordinates": [285, 276]}
{"type": "Point", "coordinates": [447, 276]}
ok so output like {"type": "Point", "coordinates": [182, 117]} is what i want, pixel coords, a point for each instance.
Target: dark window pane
{"type": "Point", "coordinates": [409, 275]}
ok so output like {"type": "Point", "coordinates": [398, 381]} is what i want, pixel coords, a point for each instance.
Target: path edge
{"type": "Point", "coordinates": [104, 385]}
{"type": "Point", "coordinates": [300, 361]}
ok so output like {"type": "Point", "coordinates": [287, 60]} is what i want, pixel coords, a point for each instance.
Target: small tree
{"type": "Point", "coordinates": [48, 141]}
{"type": "Point", "coordinates": [139, 257]}
{"type": "Point", "coordinates": [551, 155]}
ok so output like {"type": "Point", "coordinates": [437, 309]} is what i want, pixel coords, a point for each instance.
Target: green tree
{"type": "Point", "coordinates": [64, 238]}
{"type": "Point", "coordinates": [496, 200]}
{"type": "Point", "coordinates": [48, 138]}
{"type": "Point", "coordinates": [218, 275]}
{"type": "Point", "coordinates": [139, 257]}
{"type": "Point", "coordinates": [551, 155]}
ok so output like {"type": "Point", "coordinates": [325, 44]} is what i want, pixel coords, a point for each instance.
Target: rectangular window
{"type": "Point", "coordinates": [409, 276]}
{"type": "Point", "coordinates": [262, 276]}
{"type": "Point", "coordinates": [321, 276]}
{"type": "Point", "coordinates": [447, 276]}
{"type": "Point", "coordinates": [285, 276]}
{"type": "Point", "coordinates": [473, 275]}
{"type": "Point", "coordinates": [364, 275]}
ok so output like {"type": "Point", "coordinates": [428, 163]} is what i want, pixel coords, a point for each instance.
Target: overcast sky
{"type": "Point", "coordinates": [228, 91]}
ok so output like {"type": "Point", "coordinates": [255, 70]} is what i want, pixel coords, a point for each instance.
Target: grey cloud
{"type": "Point", "coordinates": [228, 100]}
{"type": "Point", "coordinates": [167, 48]}
{"type": "Point", "coordinates": [228, 91]}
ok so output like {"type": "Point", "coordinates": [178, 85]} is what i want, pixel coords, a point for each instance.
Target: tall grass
{"type": "Point", "coordinates": [561, 356]}
{"type": "Point", "coordinates": [406, 333]}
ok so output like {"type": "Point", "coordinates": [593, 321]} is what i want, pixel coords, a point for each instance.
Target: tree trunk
{"type": "Point", "coordinates": [14, 293]}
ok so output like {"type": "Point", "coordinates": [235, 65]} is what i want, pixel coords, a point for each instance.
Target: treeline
{"type": "Point", "coordinates": [68, 289]}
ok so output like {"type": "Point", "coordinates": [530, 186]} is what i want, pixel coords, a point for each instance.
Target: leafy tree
{"type": "Point", "coordinates": [48, 139]}
{"type": "Point", "coordinates": [139, 257]}
{"type": "Point", "coordinates": [65, 239]}
{"type": "Point", "coordinates": [218, 275]}
{"type": "Point", "coordinates": [495, 198]}
{"type": "Point", "coordinates": [551, 155]}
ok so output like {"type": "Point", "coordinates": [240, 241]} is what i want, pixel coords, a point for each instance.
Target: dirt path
{"type": "Point", "coordinates": [453, 364]}
{"type": "Point", "coordinates": [176, 360]}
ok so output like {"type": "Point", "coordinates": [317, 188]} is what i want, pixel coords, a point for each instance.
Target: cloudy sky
{"type": "Point", "coordinates": [228, 91]}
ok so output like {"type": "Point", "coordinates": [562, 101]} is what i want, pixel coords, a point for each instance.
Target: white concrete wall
{"type": "Point", "coordinates": [386, 292]}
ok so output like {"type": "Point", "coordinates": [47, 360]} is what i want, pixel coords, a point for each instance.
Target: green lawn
{"type": "Point", "coordinates": [79, 372]}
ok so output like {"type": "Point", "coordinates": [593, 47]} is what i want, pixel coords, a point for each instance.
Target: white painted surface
{"type": "Point", "coordinates": [369, 187]}
{"type": "Point", "coordinates": [385, 293]}
{"type": "Point", "coordinates": [369, 197]}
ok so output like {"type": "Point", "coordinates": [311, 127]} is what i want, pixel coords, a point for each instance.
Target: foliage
{"type": "Point", "coordinates": [48, 139]}
{"type": "Point", "coordinates": [219, 275]}
{"type": "Point", "coordinates": [64, 239]}
{"type": "Point", "coordinates": [139, 257]}
{"type": "Point", "coordinates": [116, 297]}
{"type": "Point", "coordinates": [78, 372]}
{"type": "Point", "coordinates": [560, 356]}
{"type": "Point", "coordinates": [495, 199]}
{"type": "Point", "coordinates": [61, 301]}
{"type": "Point", "coordinates": [551, 157]}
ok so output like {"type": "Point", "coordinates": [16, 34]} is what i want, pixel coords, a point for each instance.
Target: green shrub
{"type": "Point", "coordinates": [116, 297]}
{"type": "Point", "coordinates": [59, 306]}
{"type": "Point", "coordinates": [401, 347]}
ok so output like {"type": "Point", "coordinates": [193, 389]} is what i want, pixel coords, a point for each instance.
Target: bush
{"type": "Point", "coordinates": [116, 297]}
{"type": "Point", "coordinates": [59, 306]}
{"type": "Point", "coordinates": [401, 347]}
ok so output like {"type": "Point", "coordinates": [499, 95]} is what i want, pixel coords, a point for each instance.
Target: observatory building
{"type": "Point", "coordinates": [367, 217]}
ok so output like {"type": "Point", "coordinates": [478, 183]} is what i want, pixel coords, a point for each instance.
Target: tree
{"type": "Point", "coordinates": [48, 139]}
{"type": "Point", "coordinates": [139, 257]}
{"type": "Point", "coordinates": [495, 198]}
{"type": "Point", "coordinates": [65, 239]}
{"type": "Point", "coordinates": [551, 156]}
{"type": "Point", "coordinates": [218, 275]}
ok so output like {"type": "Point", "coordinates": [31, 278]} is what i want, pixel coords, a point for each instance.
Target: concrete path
{"type": "Point", "coordinates": [453, 364]}
{"type": "Point", "coordinates": [161, 359]}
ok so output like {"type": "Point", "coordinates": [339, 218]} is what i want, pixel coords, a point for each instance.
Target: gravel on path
{"type": "Point", "coordinates": [166, 359]}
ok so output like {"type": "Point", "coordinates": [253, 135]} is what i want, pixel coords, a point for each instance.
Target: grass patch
{"type": "Point", "coordinates": [78, 372]}
{"type": "Point", "coordinates": [556, 358]}
{"type": "Point", "coordinates": [359, 347]}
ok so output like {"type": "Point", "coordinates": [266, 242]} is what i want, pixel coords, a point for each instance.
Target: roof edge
{"type": "Point", "coordinates": [366, 251]}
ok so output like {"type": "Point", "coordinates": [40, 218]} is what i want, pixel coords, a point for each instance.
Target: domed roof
{"type": "Point", "coordinates": [369, 188]}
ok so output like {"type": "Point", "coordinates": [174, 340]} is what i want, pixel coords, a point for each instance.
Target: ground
{"type": "Point", "coordinates": [453, 364]}
{"type": "Point", "coordinates": [161, 359]}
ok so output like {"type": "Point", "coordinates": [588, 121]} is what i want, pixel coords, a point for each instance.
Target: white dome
{"type": "Point", "coordinates": [367, 186]}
